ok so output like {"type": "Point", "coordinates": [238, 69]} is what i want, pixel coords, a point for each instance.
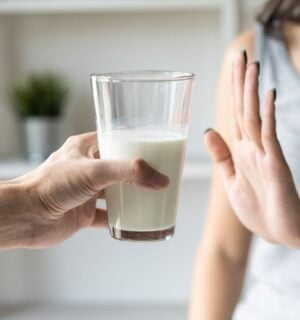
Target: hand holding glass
{"type": "Point", "coordinates": [143, 114]}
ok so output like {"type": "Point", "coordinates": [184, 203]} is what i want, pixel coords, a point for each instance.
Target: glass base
{"type": "Point", "coordinates": [159, 235]}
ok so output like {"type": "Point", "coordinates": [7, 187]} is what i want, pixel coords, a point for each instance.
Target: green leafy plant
{"type": "Point", "coordinates": [40, 95]}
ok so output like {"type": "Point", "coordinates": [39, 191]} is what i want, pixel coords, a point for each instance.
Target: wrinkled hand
{"type": "Point", "coordinates": [257, 179]}
{"type": "Point", "coordinates": [64, 189]}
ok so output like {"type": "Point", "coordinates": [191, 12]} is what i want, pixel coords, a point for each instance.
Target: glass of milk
{"type": "Point", "coordinates": [143, 114]}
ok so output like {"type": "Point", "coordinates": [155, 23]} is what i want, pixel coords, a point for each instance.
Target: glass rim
{"type": "Point", "coordinates": [128, 76]}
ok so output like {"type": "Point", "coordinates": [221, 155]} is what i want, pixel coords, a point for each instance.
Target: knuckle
{"type": "Point", "coordinates": [137, 165]}
{"type": "Point", "coordinates": [74, 139]}
{"type": "Point", "coordinates": [72, 148]}
{"type": "Point", "coordinates": [54, 156]}
{"type": "Point", "coordinates": [70, 139]}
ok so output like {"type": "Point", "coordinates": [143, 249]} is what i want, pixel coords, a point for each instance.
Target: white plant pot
{"type": "Point", "coordinates": [42, 135]}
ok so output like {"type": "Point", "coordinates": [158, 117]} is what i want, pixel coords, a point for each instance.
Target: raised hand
{"type": "Point", "coordinates": [257, 179]}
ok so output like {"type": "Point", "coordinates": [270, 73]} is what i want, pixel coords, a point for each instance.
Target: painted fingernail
{"type": "Point", "coordinates": [208, 129]}
{"type": "Point", "coordinates": [258, 66]}
{"type": "Point", "coordinates": [275, 94]}
{"type": "Point", "coordinates": [244, 52]}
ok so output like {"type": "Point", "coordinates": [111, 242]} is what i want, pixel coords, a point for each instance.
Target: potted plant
{"type": "Point", "coordinates": [39, 102]}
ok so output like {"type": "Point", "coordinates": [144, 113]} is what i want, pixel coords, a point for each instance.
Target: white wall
{"type": "Point", "coordinates": [249, 10]}
{"type": "Point", "coordinates": [91, 267]}
{"type": "Point", "coordinates": [78, 45]}
{"type": "Point", "coordinates": [9, 132]}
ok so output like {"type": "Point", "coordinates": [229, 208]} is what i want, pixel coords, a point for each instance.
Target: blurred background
{"type": "Point", "coordinates": [48, 48]}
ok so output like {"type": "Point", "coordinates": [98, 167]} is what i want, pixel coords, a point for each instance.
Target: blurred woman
{"type": "Point", "coordinates": [257, 190]}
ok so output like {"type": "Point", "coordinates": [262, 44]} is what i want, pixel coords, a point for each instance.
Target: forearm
{"type": "Point", "coordinates": [15, 226]}
{"type": "Point", "coordinates": [217, 283]}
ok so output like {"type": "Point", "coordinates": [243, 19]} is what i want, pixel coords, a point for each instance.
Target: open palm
{"type": "Point", "coordinates": [257, 179]}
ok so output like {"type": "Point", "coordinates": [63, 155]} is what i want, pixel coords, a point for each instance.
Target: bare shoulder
{"type": "Point", "coordinates": [244, 41]}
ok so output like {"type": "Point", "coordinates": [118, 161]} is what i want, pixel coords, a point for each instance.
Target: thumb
{"type": "Point", "coordinates": [220, 153]}
{"type": "Point", "coordinates": [133, 171]}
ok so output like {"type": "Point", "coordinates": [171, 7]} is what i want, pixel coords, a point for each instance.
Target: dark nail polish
{"type": "Point", "coordinates": [275, 94]}
{"type": "Point", "coordinates": [258, 66]}
{"type": "Point", "coordinates": [208, 129]}
{"type": "Point", "coordinates": [245, 56]}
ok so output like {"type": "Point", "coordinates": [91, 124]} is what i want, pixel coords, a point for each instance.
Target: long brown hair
{"type": "Point", "coordinates": [275, 12]}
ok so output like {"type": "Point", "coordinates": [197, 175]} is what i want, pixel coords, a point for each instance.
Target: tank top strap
{"type": "Point", "coordinates": [277, 70]}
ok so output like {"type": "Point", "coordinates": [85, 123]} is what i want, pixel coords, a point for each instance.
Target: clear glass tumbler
{"type": "Point", "coordinates": [143, 114]}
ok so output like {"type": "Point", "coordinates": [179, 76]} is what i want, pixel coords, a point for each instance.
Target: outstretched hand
{"type": "Point", "coordinates": [257, 179]}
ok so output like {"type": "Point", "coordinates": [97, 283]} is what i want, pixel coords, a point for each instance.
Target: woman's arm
{"type": "Point", "coordinates": [223, 252]}
{"type": "Point", "coordinates": [220, 262]}
{"type": "Point", "coordinates": [256, 177]}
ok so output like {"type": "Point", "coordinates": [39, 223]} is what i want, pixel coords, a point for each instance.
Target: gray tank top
{"type": "Point", "coordinates": [273, 292]}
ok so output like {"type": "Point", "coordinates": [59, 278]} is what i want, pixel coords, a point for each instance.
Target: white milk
{"type": "Point", "coordinates": [129, 207]}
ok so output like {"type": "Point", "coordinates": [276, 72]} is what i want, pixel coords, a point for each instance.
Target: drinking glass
{"type": "Point", "coordinates": [143, 114]}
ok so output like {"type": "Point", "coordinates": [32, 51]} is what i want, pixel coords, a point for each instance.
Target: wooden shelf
{"type": "Point", "coordinates": [193, 171]}
{"type": "Point", "coordinates": [90, 6]}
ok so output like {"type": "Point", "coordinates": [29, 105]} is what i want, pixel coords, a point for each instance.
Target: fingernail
{"type": "Point", "coordinates": [159, 180]}
{"type": "Point", "coordinates": [244, 52]}
{"type": "Point", "coordinates": [208, 129]}
{"type": "Point", "coordinates": [258, 66]}
{"type": "Point", "coordinates": [275, 94]}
